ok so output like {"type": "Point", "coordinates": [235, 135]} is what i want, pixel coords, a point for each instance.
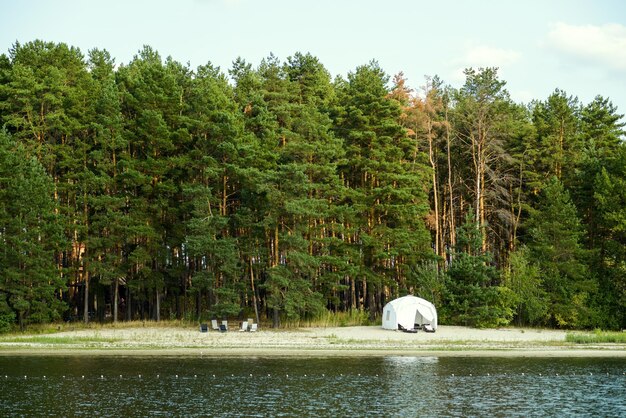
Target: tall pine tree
{"type": "Point", "coordinates": [30, 234]}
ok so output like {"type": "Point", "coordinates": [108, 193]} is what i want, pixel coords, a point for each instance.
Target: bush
{"type": "Point", "coordinates": [7, 318]}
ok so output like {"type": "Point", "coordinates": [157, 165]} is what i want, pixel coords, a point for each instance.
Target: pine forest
{"type": "Point", "coordinates": [150, 190]}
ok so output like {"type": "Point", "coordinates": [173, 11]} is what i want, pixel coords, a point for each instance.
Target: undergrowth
{"type": "Point", "coordinates": [50, 339]}
{"type": "Point", "coordinates": [596, 337]}
{"type": "Point", "coordinates": [355, 317]}
{"type": "Point", "coordinates": [54, 328]}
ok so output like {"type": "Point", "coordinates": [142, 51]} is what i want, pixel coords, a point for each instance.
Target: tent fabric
{"type": "Point", "coordinates": [409, 312]}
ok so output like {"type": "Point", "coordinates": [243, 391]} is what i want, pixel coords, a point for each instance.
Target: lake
{"type": "Point", "coordinates": [391, 386]}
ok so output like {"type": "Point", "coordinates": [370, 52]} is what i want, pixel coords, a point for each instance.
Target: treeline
{"type": "Point", "coordinates": [150, 190]}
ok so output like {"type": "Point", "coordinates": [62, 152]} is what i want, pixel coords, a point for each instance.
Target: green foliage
{"type": "Point", "coordinates": [597, 337]}
{"type": "Point", "coordinates": [610, 200]}
{"type": "Point", "coordinates": [602, 126]}
{"type": "Point", "coordinates": [556, 248]}
{"type": "Point", "coordinates": [427, 280]}
{"type": "Point", "coordinates": [284, 193]}
{"type": "Point", "coordinates": [473, 295]}
{"type": "Point", "coordinates": [384, 176]}
{"type": "Point", "coordinates": [558, 144]}
{"type": "Point", "coordinates": [488, 129]}
{"type": "Point", "coordinates": [228, 304]}
{"type": "Point", "coordinates": [30, 235]}
{"type": "Point", "coordinates": [7, 316]}
{"type": "Point", "coordinates": [524, 279]}
{"type": "Point", "coordinates": [326, 318]}
{"type": "Point", "coordinates": [292, 295]}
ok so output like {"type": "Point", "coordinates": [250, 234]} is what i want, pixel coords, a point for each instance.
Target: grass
{"type": "Point", "coordinates": [596, 337]}
{"type": "Point", "coordinates": [75, 326]}
{"type": "Point", "coordinates": [55, 340]}
{"type": "Point", "coordinates": [327, 319]}
{"type": "Point", "coordinates": [48, 333]}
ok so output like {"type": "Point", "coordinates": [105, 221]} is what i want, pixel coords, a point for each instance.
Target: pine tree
{"type": "Point", "coordinates": [555, 236]}
{"type": "Point", "coordinates": [473, 293]}
{"type": "Point", "coordinates": [213, 190]}
{"type": "Point", "coordinates": [293, 186]}
{"type": "Point", "coordinates": [558, 144]}
{"type": "Point", "coordinates": [524, 279]}
{"type": "Point", "coordinates": [30, 234]}
{"type": "Point", "coordinates": [153, 106]}
{"type": "Point", "coordinates": [601, 130]}
{"type": "Point", "coordinates": [482, 118]}
{"type": "Point", "coordinates": [387, 187]}
{"type": "Point", "coordinates": [286, 193]}
{"type": "Point", "coordinates": [610, 200]}
{"type": "Point", "coordinates": [106, 202]}
{"type": "Point", "coordinates": [47, 110]}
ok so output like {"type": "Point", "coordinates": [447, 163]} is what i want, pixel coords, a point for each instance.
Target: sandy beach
{"type": "Point", "coordinates": [331, 341]}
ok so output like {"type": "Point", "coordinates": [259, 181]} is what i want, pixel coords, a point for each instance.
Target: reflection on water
{"type": "Point", "coordinates": [327, 386]}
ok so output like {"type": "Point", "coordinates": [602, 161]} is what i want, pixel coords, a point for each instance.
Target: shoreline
{"type": "Point", "coordinates": [269, 353]}
{"type": "Point", "coordinates": [358, 341]}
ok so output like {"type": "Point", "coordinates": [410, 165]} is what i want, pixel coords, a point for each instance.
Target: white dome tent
{"type": "Point", "coordinates": [410, 313]}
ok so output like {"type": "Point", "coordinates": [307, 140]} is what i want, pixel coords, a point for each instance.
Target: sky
{"type": "Point", "coordinates": [578, 46]}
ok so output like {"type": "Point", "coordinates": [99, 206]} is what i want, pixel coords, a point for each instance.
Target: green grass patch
{"type": "Point", "coordinates": [352, 318]}
{"type": "Point", "coordinates": [596, 337]}
{"type": "Point", "coordinates": [53, 328]}
{"type": "Point", "coordinates": [52, 339]}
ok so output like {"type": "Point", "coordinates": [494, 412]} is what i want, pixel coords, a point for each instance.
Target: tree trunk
{"type": "Point", "coordinates": [86, 297]}
{"type": "Point", "coordinates": [352, 293]}
{"type": "Point", "coordinates": [478, 149]}
{"type": "Point", "coordinates": [483, 219]}
{"type": "Point", "coordinates": [20, 320]}
{"type": "Point", "coordinates": [276, 318]}
{"type": "Point", "coordinates": [157, 314]}
{"type": "Point", "coordinates": [476, 166]}
{"type": "Point", "coordinates": [116, 296]}
{"type": "Point", "coordinates": [450, 189]}
{"type": "Point", "coordinates": [128, 304]}
{"type": "Point", "coordinates": [516, 217]}
{"type": "Point", "coordinates": [560, 151]}
{"type": "Point", "coordinates": [224, 195]}
{"type": "Point", "coordinates": [254, 301]}
{"type": "Point", "coordinates": [198, 304]}
{"type": "Point", "coordinates": [363, 297]}
{"type": "Point", "coordinates": [276, 253]}
{"type": "Point", "coordinates": [431, 157]}
{"type": "Point", "coordinates": [371, 299]}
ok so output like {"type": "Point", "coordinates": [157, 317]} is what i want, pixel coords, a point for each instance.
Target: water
{"type": "Point", "coordinates": [325, 386]}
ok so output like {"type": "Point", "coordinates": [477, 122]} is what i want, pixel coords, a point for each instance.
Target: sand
{"type": "Point", "coordinates": [331, 341]}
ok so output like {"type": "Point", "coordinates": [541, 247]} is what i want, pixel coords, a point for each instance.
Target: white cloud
{"type": "Point", "coordinates": [486, 56]}
{"type": "Point", "coordinates": [601, 45]}
{"type": "Point", "coordinates": [482, 56]}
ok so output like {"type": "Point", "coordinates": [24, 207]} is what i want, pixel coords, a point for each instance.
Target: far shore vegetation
{"type": "Point", "coordinates": [155, 192]}
{"type": "Point", "coordinates": [597, 337]}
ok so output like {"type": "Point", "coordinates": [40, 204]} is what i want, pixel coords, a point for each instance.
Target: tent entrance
{"type": "Point", "coordinates": [423, 316]}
